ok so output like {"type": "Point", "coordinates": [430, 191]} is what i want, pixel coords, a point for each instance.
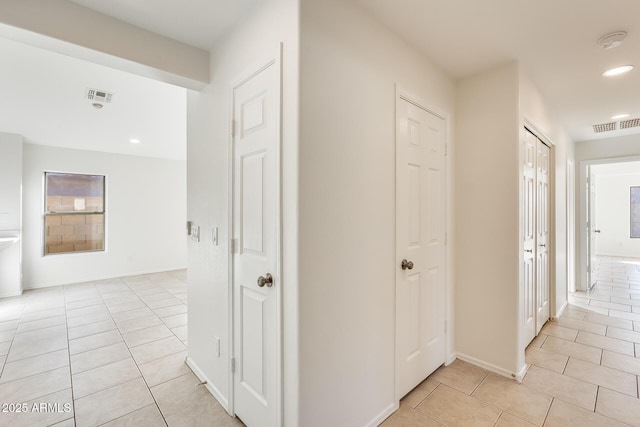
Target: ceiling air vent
{"type": "Point", "coordinates": [631, 123]}
{"type": "Point", "coordinates": [97, 95]}
{"type": "Point", "coordinates": [604, 127]}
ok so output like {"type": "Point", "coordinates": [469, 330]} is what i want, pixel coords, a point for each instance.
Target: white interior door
{"type": "Point", "coordinates": [256, 278]}
{"type": "Point", "coordinates": [592, 228]}
{"type": "Point", "coordinates": [420, 244]}
{"type": "Point", "coordinates": [529, 235]}
{"type": "Point", "coordinates": [542, 235]}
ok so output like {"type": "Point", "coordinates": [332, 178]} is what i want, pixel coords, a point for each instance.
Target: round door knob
{"type": "Point", "coordinates": [266, 280]}
{"type": "Point", "coordinates": [406, 265]}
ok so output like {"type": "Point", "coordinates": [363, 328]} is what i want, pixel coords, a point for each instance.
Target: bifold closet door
{"type": "Point", "coordinates": [535, 223]}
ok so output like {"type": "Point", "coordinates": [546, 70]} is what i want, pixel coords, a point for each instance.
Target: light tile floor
{"type": "Point", "coordinates": [109, 352]}
{"type": "Point", "coordinates": [584, 369]}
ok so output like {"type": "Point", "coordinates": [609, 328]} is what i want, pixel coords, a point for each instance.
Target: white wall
{"type": "Point", "coordinates": [10, 213]}
{"type": "Point", "coordinates": [492, 109]}
{"type": "Point", "coordinates": [10, 181]}
{"type": "Point", "coordinates": [146, 216]}
{"type": "Point", "coordinates": [249, 45]}
{"type": "Point", "coordinates": [487, 218]}
{"type": "Point", "coordinates": [535, 114]}
{"type": "Point", "coordinates": [613, 215]}
{"type": "Point", "coordinates": [606, 150]}
{"type": "Point", "coordinates": [349, 67]}
{"type": "Point", "coordinates": [534, 111]}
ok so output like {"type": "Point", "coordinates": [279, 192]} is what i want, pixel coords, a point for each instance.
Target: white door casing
{"type": "Point", "coordinates": [542, 235]}
{"type": "Point", "coordinates": [592, 227]}
{"type": "Point", "coordinates": [420, 240]}
{"type": "Point", "coordinates": [529, 235]}
{"type": "Point", "coordinates": [256, 246]}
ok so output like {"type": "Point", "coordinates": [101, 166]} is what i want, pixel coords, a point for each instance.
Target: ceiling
{"type": "Point", "coordinates": [555, 41]}
{"type": "Point", "coordinates": [44, 100]}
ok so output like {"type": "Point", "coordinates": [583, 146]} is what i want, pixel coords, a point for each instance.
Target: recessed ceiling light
{"type": "Point", "coordinates": [134, 141]}
{"type": "Point", "coordinates": [620, 116]}
{"type": "Point", "coordinates": [618, 70]}
{"type": "Point", "coordinates": [97, 105]}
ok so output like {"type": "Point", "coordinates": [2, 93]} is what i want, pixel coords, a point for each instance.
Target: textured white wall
{"type": "Point", "coordinates": [613, 215]}
{"type": "Point", "coordinates": [146, 214]}
{"type": "Point", "coordinates": [607, 150]}
{"type": "Point", "coordinates": [249, 45]}
{"type": "Point", "coordinates": [10, 181]}
{"type": "Point", "coordinates": [350, 65]}
{"type": "Point", "coordinates": [10, 212]}
{"type": "Point", "coordinates": [487, 218]}
{"type": "Point", "coordinates": [534, 111]}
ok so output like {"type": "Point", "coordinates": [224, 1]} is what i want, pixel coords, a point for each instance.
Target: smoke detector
{"type": "Point", "coordinates": [98, 97]}
{"type": "Point", "coordinates": [612, 40]}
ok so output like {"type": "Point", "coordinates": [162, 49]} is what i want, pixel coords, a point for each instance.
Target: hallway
{"type": "Point", "coordinates": [584, 369]}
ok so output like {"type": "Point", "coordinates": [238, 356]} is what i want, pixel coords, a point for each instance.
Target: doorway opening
{"type": "Point", "coordinates": [610, 255]}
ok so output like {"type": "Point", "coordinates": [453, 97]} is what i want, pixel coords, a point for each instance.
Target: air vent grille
{"type": "Point", "coordinates": [97, 95]}
{"type": "Point", "coordinates": [604, 127]}
{"type": "Point", "coordinates": [631, 123]}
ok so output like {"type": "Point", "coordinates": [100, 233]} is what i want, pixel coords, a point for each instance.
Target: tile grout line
{"type": "Point", "coordinates": [6, 358]}
{"type": "Point", "coordinates": [73, 400]}
{"type": "Point", "coordinates": [548, 410]}
{"type": "Point", "coordinates": [138, 367]}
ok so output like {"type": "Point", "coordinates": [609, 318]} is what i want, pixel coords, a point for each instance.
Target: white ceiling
{"type": "Point", "coordinates": [554, 40]}
{"type": "Point", "coordinates": [44, 100]}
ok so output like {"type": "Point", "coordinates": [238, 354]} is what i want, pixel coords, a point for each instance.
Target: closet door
{"type": "Point", "coordinates": [535, 231]}
{"type": "Point", "coordinates": [542, 235]}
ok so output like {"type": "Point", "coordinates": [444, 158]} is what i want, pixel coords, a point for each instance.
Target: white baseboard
{"type": "Point", "coordinates": [378, 419]}
{"type": "Point", "coordinates": [451, 359]}
{"type": "Point", "coordinates": [489, 367]}
{"type": "Point", "coordinates": [96, 278]}
{"type": "Point", "coordinates": [11, 294]}
{"type": "Point", "coordinates": [564, 306]}
{"type": "Point", "coordinates": [209, 386]}
{"type": "Point", "coordinates": [520, 375]}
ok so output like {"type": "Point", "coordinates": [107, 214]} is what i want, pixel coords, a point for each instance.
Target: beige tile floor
{"type": "Point", "coordinates": [584, 369]}
{"type": "Point", "coordinates": [107, 353]}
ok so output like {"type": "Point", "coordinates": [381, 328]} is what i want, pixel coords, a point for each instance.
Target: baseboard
{"type": "Point", "coordinates": [451, 359]}
{"type": "Point", "coordinates": [489, 366]}
{"type": "Point", "coordinates": [209, 386]}
{"type": "Point", "coordinates": [11, 294]}
{"type": "Point", "coordinates": [520, 375]}
{"type": "Point", "coordinates": [96, 278]}
{"type": "Point", "coordinates": [564, 306]}
{"type": "Point", "coordinates": [378, 419]}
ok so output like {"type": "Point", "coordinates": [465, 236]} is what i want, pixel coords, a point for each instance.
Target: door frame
{"type": "Point", "coordinates": [409, 96]}
{"type": "Point", "coordinates": [582, 245]}
{"type": "Point", "coordinates": [275, 59]}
